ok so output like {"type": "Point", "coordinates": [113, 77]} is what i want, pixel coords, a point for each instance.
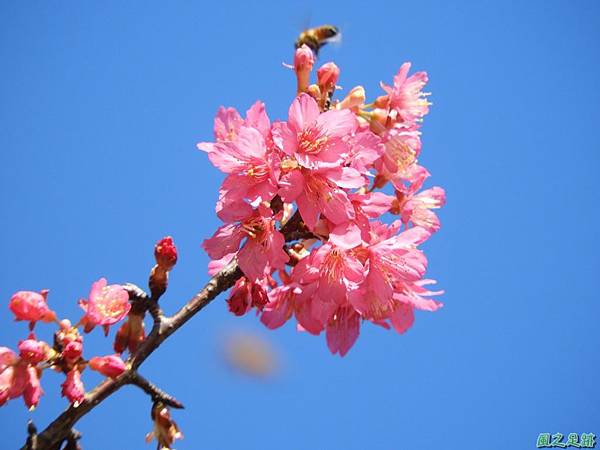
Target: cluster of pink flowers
{"type": "Point", "coordinates": [106, 305]}
{"type": "Point", "coordinates": [20, 373]}
{"type": "Point", "coordinates": [343, 166]}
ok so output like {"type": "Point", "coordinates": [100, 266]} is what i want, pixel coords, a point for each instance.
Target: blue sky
{"type": "Point", "coordinates": [102, 105]}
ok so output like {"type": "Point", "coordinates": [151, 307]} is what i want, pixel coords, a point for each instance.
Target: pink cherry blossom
{"type": "Point", "coordinates": [292, 299]}
{"type": "Point", "coordinates": [366, 207]}
{"type": "Point", "coordinates": [31, 306]}
{"type": "Point", "coordinates": [340, 271]}
{"type": "Point", "coordinates": [416, 208]}
{"type": "Point", "coordinates": [253, 171]}
{"type": "Point", "coordinates": [390, 262]}
{"type": "Point", "coordinates": [406, 97]}
{"type": "Point", "coordinates": [399, 162]}
{"type": "Point", "coordinates": [106, 304]}
{"type": "Point", "coordinates": [314, 139]}
{"type": "Point", "coordinates": [317, 192]}
{"type": "Point", "coordinates": [246, 156]}
{"type": "Point", "coordinates": [228, 122]}
{"type": "Point", "coordinates": [19, 377]}
{"type": "Point", "coordinates": [262, 249]}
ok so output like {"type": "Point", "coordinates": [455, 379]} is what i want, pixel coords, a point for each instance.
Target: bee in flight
{"type": "Point", "coordinates": [317, 37]}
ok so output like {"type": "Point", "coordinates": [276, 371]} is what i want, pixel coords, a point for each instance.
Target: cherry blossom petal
{"type": "Point", "coordinates": [342, 331]}
{"type": "Point", "coordinates": [225, 240]}
{"type": "Point", "coordinates": [303, 111]}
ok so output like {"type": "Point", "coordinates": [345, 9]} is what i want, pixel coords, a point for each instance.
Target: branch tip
{"type": "Point", "coordinates": [154, 391]}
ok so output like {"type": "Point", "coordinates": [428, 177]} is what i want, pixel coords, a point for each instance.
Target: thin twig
{"type": "Point", "coordinates": [31, 443]}
{"type": "Point", "coordinates": [136, 293]}
{"type": "Point", "coordinates": [72, 439]}
{"type": "Point", "coordinates": [154, 391]}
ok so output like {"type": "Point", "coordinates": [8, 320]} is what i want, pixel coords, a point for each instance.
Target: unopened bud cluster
{"type": "Point", "coordinates": [20, 373]}
{"type": "Point", "coordinates": [105, 305]}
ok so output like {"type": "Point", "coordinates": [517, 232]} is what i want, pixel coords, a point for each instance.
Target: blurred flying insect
{"type": "Point", "coordinates": [317, 37]}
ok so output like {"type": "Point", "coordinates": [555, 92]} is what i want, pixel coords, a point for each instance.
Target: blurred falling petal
{"type": "Point", "coordinates": [251, 355]}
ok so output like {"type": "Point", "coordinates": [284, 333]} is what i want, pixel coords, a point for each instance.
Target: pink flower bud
{"type": "Point", "coordinates": [73, 350]}
{"type": "Point", "coordinates": [70, 340]}
{"type": "Point", "coordinates": [73, 388]}
{"type": "Point", "coordinates": [246, 294]}
{"type": "Point", "coordinates": [303, 64]}
{"type": "Point", "coordinates": [33, 390]}
{"type": "Point", "coordinates": [240, 298]}
{"type": "Point", "coordinates": [130, 335]}
{"type": "Point", "coordinates": [304, 59]}
{"type": "Point", "coordinates": [110, 366]}
{"type": "Point", "coordinates": [106, 305]}
{"type": "Point", "coordinates": [165, 253]}
{"type": "Point", "coordinates": [31, 306]}
{"type": "Point", "coordinates": [259, 296]}
{"type": "Point", "coordinates": [33, 351]}
{"type": "Point", "coordinates": [354, 99]}
{"type": "Point", "coordinates": [327, 76]}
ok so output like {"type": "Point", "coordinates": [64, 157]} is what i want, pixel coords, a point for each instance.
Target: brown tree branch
{"type": "Point", "coordinates": [61, 428]}
{"type": "Point", "coordinates": [154, 391]}
{"type": "Point", "coordinates": [141, 302]}
{"type": "Point", "coordinates": [31, 443]}
{"type": "Point", "coordinates": [72, 439]}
